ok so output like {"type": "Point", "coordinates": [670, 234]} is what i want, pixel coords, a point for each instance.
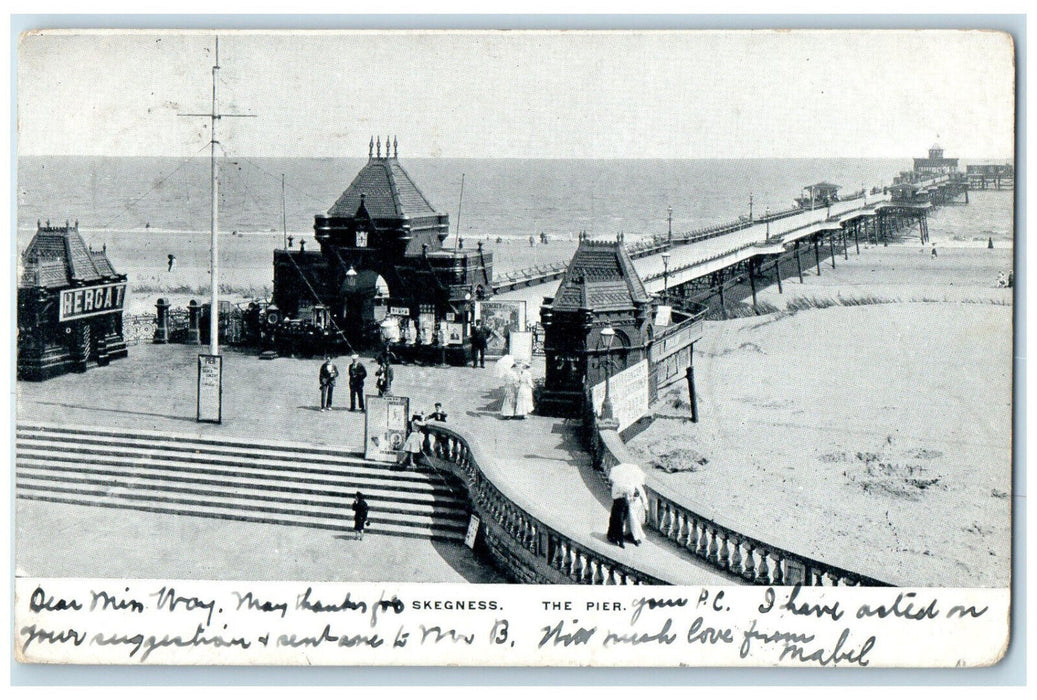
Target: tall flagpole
{"type": "Point", "coordinates": [214, 258]}
{"type": "Point", "coordinates": [210, 368]}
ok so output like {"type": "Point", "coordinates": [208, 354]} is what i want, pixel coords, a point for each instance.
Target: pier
{"type": "Point", "coordinates": [544, 506]}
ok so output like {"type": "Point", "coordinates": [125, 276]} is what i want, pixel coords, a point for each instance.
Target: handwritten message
{"type": "Point", "coordinates": [204, 622]}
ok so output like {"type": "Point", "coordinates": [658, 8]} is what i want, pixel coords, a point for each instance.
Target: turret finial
{"type": "Point", "coordinates": [378, 147]}
{"type": "Point", "coordinates": [370, 149]}
{"type": "Point", "coordinates": [395, 151]}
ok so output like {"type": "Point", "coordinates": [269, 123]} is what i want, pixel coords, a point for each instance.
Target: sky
{"type": "Point", "coordinates": [663, 94]}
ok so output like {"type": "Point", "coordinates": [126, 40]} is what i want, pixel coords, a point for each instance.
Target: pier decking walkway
{"type": "Point", "coordinates": [696, 259]}
{"type": "Point", "coordinates": [153, 390]}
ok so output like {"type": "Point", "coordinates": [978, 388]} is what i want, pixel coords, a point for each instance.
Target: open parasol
{"type": "Point", "coordinates": [626, 478]}
{"type": "Point", "coordinates": [504, 367]}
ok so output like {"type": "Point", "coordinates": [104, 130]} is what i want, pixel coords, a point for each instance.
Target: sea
{"type": "Point", "coordinates": [144, 209]}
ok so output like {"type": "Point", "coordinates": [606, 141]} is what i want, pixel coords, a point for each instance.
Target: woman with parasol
{"type": "Point", "coordinates": [505, 370]}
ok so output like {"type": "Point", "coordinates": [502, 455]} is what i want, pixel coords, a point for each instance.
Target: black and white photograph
{"type": "Point", "coordinates": [549, 348]}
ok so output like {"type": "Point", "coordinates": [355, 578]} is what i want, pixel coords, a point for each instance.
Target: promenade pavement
{"type": "Point", "coordinates": [540, 457]}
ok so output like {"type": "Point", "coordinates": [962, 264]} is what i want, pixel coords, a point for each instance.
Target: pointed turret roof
{"type": "Point", "coordinates": [389, 191]}
{"type": "Point", "coordinates": [600, 277]}
{"type": "Point", "coordinates": [58, 256]}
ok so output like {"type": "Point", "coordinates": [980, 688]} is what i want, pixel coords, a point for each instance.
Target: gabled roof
{"type": "Point", "coordinates": [600, 277]}
{"type": "Point", "coordinates": [389, 193]}
{"type": "Point", "coordinates": [57, 256]}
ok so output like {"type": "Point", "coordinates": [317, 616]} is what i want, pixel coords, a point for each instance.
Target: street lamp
{"type": "Point", "coordinates": [351, 276]}
{"type": "Point", "coordinates": [669, 225]}
{"type": "Point", "coordinates": [666, 278]}
{"type": "Point", "coordinates": [608, 334]}
{"type": "Point", "coordinates": [767, 218]}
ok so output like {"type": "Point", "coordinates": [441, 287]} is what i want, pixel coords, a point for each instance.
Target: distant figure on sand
{"type": "Point", "coordinates": [360, 511]}
{"type": "Point", "coordinates": [1002, 281]}
{"type": "Point", "coordinates": [172, 262]}
{"type": "Point", "coordinates": [934, 250]}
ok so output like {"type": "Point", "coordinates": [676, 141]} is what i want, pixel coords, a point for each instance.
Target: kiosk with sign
{"type": "Point", "coordinates": [70, 303]}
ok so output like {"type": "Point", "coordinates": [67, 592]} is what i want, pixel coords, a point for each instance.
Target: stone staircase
{"type": "Point", "coordinates": [259, 481]}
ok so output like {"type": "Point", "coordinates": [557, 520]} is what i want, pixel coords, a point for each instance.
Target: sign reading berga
{"type": "Point", "coordinates": [91, 301]}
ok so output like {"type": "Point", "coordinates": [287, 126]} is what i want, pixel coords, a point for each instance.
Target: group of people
{"type": "Point", "coordinates": [357, 376]}
{"type": "Point", "coordinates": [627, 517]}
{"type": "Point", "coordinates": [1004, 280]}
{"type": "Point", "coordinates": [518, 391]}
{"type": "Point", "coordinates": [417, 433]}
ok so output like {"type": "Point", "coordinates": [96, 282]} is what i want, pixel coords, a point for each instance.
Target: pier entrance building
{"type": "Point", "coordinates": [381, 270]}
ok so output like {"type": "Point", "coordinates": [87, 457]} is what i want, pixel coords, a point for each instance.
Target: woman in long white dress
{"type": "Point", "coordinates": [511, 385]}
{"type": "Point", "coordinates": [524, 393]}
{"type": "Point", "coordinates": [638, 506]}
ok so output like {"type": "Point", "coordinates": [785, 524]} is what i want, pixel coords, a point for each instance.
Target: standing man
{"type": "Point", "coordinates": [479, 338]}
{"type": "Point", "coordinates": [360, 510]}
{"type": "Point", "coordinates": [328, 373]}
{"type": "Point", "coordinates": [357, 375]}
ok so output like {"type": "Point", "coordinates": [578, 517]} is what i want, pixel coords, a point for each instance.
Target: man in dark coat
{"type": "Point", "coordinates": [328, 373]}
{"type": "Point", "coordinates": [360, 510]}
{"type": "Point", "coordinates": [479, 338]}
{"type": "Point", "coordinates": [357, 375]}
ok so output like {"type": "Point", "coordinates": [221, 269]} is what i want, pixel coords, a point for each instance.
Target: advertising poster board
{"type": "Point", "coordinates": [520, 345]}
{"type": "Point", "coordinates": [210, 389]}
{"type": "Point", "coordinates": [385, 427]}
{"type": "Point", "coordinates": [501, 319]}
{"type": "Point", "coordinates": [629, 394]}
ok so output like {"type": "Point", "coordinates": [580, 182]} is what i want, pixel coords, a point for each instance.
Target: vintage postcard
{"type": "Point", "coordinates": [543, 348]}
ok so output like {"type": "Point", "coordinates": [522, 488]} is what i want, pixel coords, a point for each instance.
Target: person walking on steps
{"type": "Point", "coordinates": [357, 375]}
{"type": "Point", "coordinates": [360, 510]}
{"type": "Point", "coordinates": [328, 373]}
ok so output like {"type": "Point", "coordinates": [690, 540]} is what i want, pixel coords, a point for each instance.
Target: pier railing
{"type": "Point", "coordinates": [523, 543]}
{"type": "Point", "coordinates": [699, 531]}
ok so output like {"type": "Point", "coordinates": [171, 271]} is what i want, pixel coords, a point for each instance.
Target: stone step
{"type": "Point", "coordinates": [242, 464]}
{"type": "Point", "coordinates": [341, 524]}
{"type": "Point", "coordinates": [175, 481]}
{"type": "Point", "coordinates": [209, 477]}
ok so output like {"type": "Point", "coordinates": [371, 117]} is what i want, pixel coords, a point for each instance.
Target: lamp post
{"type": "Point", "coordinates": [669, 225]}
{"type": "Point", "coordinates": [666, 278]}
{"type": "Point", "coordinates": [608, 335]}
{"type": "Point", "coordinates": [767, 218]}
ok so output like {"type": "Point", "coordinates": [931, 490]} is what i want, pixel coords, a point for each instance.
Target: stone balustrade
{"type": "Point", "coordinates": [520, 542]}
{"type": "Point", "coordinates": [698, 530]}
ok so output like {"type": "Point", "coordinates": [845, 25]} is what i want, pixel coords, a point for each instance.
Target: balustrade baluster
{"type": "Point", "coordinates": [749, 572]}
{"type": "Point", "coordinates": [736, 554]}
{"type": "Point", "coordinates": [702, 546]}
{"type": "Point", "coordinates": [599, 575]}
{"type": "Point", "coordinates": [777, 574]}
{"type": "Point", "coordinates": [725, 564]}
{"type": "Point", "coordinates": [712, 555]}
{"type": "Point", "coordinates": [834, 578]}
{"type": "Point", "coordinates": [611, 580]}
{"type": "Point", "coordinates": [682, 527]}
{"type": "Point", "coordinates": [567, 560]}
{"type": "Point", "coordinates": [666, 521]}
{"type": "Point", "coordinates": [762, 575]}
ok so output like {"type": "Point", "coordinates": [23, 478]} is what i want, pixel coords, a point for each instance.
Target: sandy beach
{"type": "Point", "coordinates": [867, 423]}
